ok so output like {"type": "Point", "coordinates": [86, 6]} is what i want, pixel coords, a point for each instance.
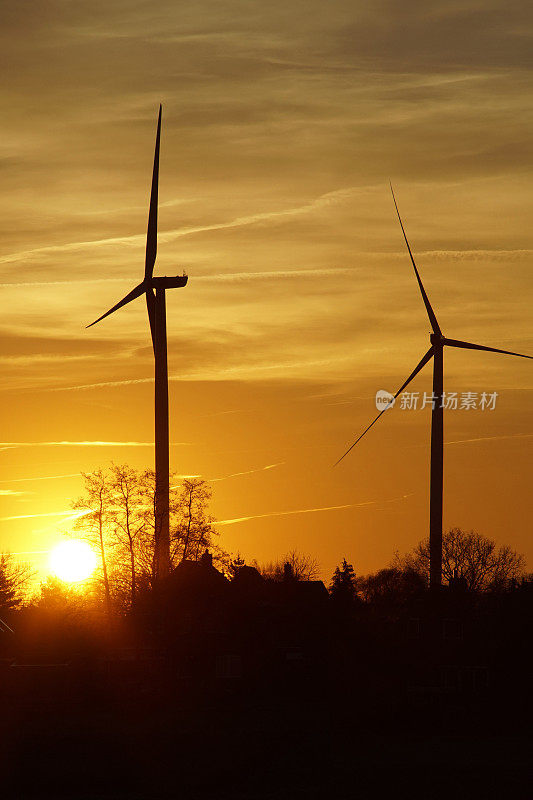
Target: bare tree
{"type": "Point", "coordinates": [194, 531]}
{"type": "Point", "coordinates": [481, 564]}
{"type": "Point", "coordinates": [147, 538]}
{"type": "Point", "coordinates": [302, 567]}
{"type": "Point", "coordinates": [126, 518]}
{"type": "Point", "coordinates": [93, 526]}
{"type": "Point", "coordinates": [119, 519]}
{"type": "Point", "coordinates": [191, 526]}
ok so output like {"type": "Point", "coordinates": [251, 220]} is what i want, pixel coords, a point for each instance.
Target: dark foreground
{"type": "Point", "coordinates": [256, 690]}
{"type": "Point", "coordinates": [91, 740]}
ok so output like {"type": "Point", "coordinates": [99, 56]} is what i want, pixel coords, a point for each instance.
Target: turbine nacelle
{"type": "Point", "coordinates": [169, 283]}
{"type": "Point", "coordinates": [145, 287]}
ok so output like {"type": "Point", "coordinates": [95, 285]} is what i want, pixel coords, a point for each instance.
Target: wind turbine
{"type": "Point", "coordinates": [155, 303]}
{"type": "Point", "coordinates": [435, 352]}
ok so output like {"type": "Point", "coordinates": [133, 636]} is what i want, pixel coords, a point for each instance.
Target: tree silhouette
{"type": "Point", "coordinates": [118, 518]}
{"type": "Point", "coordinates": [343, 583]}
{"type": "Point", "coordinates": [92, 526]}
{"type": "Point", "coordinates": [392, 585]}
{"type": "Point", "coordinates": [195, 530]}
{"type": "Point", "coordinates": [476, 559]}
{"type": "Point", "coordinates": [236, 564]}
{"type": "Point", "coordinates": [191, 526]}
{"type": "Point", "coordinates": [14, 580]}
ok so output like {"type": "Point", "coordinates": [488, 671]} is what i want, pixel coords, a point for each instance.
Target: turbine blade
{"type": "Point", "coordinates": [470, 346]}
{"type": "Point", "coordinates": [150, 305]}
{"type": "Point", "coordinates": [151, 235]}
{"type": "Point", "coordinates": [137, 292]}
{"type": "Point", "coordinates": [413, 374]}
{"type": "Point", "coordinates": [425, 298]}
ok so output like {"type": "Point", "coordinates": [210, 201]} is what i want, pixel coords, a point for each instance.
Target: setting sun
{"type": "Point", "coordinates": [72, 561]}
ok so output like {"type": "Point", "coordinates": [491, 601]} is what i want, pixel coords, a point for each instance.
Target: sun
{"type": "Point", "coordinates": [72, 561]}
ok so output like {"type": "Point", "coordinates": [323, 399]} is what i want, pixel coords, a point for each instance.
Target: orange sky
{"type": "Point", "coordinates": [282, 124]}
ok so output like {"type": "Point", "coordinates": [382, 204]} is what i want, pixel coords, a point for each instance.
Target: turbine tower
{"type": "Point", "coordinates": [436, 352]}
{"type": "Point", "coordinates": [154, 289]}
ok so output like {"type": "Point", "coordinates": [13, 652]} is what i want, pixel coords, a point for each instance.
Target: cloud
{"type": "Point", "coordinates": [491, 438]}
{"type": "Point", "coordinates": [69, 514]}
{"type": "Point", "coordinates": [473, 255]}
{"type": "Point", "coordinates": [169, 236]}
{"type": "Point", "coordinates": [9, 445]}
{"type": "Point", "coordinates": [246, 472]}
{"type": "Point", "coordinates": [10, 492]}
{"type": "Point", "coordinates": [42, 478]}
{"type": "Point", "coordinates": [219, 277]}
{"type": "Point", "coordinates": [298, 511]}
{"type": "Point", "coordinates": [101, 384]}
{"type": "Point", "coordinates": [232, 475]}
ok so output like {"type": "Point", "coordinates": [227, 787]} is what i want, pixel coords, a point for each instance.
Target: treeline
{"type": "Point", "coordinates": [471, 563]}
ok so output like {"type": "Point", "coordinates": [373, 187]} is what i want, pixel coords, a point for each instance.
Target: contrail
{"type": "Point", "coordinates": [297, 511]}
{"type": "Point", "coordinates": [71, 514]}
{"type": "Point", "coordinates": [42, 478]}
{"type": "Point", "coordinates": [99, 385]}
{"type": "Point", "coordinates": [218, 277]}
{"type": "Point", "coordinates": [233, 474]}
{"type": "Point", "coordinates": [491, 438]}
{"type": "Point", "coordinates": [219, 374]}
{"type": "Point", "coordinates": [246, 472]}
{"type": "Point", "coordinates": [320, 202]}
{"type": "Point", "coordinates": [9, 445]}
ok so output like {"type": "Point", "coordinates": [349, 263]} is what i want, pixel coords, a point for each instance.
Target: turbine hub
{"type": "Point", "coordinates": [436, 339]}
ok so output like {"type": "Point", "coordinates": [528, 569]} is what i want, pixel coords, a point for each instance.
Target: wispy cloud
{"type": "Point", "coordinates": [42, 478]}
{"type": "Point", "coordinates": [297, 511]}
{"type": "Point", "coordinates": [10, 493]}
{"type": "Point", "coordinates": [506, 255]}
{"type": "Point", "coordinates": [9, 445]}
{"type": "Point", "coordinates": [232, 475]}
{"type": "Point", "coordinates": [47, 358]}
{"type": "Point", "coordinates": [313, 510]}
{"type": "Point", "coordinates": [491, 438]}
{"type": "Point", "coordinates": [99, 385]}
{"type": "Point", "coordinates": [62, 283]}
{"type": "Point", "coordinates": [275, 274]}
{"type": "Point", "coordinates": [70, 514]}
{"type": "Point", "coordinates": [246, 472]}
{"type": "Point", "coordinates": [217, 374]}
{"type": "Point", "coordinates": [318, 203]}
{"type": "Point", "coordinates": [477, 255]}
{"type": "Point", "coordinates": [216, 277]}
